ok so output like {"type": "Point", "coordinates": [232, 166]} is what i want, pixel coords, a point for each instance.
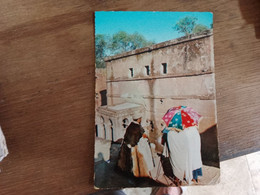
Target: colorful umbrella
{"type": "Point", "coordinates": [181, 117]}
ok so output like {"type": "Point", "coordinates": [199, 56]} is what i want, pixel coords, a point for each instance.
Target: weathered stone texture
{"type": "Point", "coordinates": [100, 78]}
{"type": "Point", "coordinates": [187, 57]}
{"type": "Point", "coordinates": [140, 77]}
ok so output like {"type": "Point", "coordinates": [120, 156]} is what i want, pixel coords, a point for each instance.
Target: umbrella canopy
{"type": "Point", "coordinates": [181, 117]}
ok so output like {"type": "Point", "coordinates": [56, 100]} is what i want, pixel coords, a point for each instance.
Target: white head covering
{"type": "Point", "coordinates": [137, 115]}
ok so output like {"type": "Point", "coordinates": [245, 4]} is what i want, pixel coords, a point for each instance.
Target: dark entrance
{"type": "Point", "coordinates": [103, 94]}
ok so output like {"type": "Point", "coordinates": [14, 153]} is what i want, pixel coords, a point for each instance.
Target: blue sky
{"type": "Point", "coordinates": [156, 26]}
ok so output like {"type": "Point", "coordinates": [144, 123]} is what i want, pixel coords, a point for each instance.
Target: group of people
{"type": "Point", "coordinates": [181, 150]}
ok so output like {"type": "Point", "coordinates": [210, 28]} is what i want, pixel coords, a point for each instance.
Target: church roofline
{"type": "Point", "coordinates": [160, 45]}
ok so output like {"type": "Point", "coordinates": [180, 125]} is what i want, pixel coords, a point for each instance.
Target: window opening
{"type": "Point", "coordinates": [131, 72]}
{"type": "Point", "coordinates": [147, 70]}
{"type": "Point", "coordinates": [96, 131]}
{"type": "Point", "coordinates": [164, 68]}
{"type": "Point", "coordinates": [125, 122]}
{"type": "Point", "coordinates": [112, 129]}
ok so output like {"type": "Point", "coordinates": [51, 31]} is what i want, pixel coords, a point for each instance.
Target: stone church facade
{"type": "Point", "coordinates": [153, 79]}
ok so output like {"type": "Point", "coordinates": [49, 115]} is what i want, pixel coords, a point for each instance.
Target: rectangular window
{"type": "Point", "coordinates": [147, 70]}
{"type": "Point", "coordinates": [164, 68]}
{"type": "Point", "coordinates": [131, 72]}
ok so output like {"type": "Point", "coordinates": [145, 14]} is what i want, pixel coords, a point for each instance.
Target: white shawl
{"type": "Point", "coordinates": [142, 158]}
{"type": "Point", "coordinates": [185, 155]}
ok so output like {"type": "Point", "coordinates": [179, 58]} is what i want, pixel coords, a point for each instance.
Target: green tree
{"type": "Point", "coordinates": [117, 43]}
{"type": "Point", "coordinates": [199, 28]}
{"type": "Point", "coordinates": [186, 25]}
{"type": "Point", "coordinates": [138, 41]}
{"type": "Point", "coordinates": [123, 42]}
{"type": "Point", "coordinates": [101, 46]}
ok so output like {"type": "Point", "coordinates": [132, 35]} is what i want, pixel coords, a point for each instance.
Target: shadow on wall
{"type": "Point", "coordinates": [209, 147]}
{"type": "Point", "coordinates": [250, 12]}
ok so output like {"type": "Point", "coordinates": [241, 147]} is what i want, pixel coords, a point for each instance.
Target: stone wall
{"type": "Point", "coordinates": [100, 79]}
{"type": "Point", "coordinates": [185, 56]}
{"type": "Point", "coordinates": [172, 73]}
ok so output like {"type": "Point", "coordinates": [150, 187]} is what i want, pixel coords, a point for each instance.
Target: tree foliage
{"type": "Point", "coordinates": [117, 43]}
{"type": "Point", "coordinates": [123, 42]}
{"type": "Point", "coordinates": [199, 28]}
{"type": "Point", "coordinates": [186, 25]}
{"type": "Point", "coordinates": [101, 46]}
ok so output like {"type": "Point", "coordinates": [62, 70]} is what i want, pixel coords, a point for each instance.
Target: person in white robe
{"type": "Point", "coordinates": [185, 154]}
